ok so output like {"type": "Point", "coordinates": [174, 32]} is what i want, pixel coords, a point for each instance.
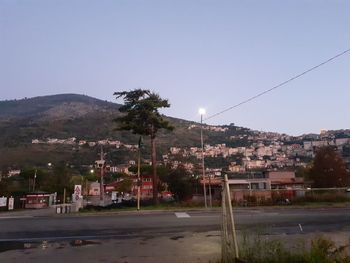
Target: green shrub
{"type": "Point", "coordinates": [258, 249]}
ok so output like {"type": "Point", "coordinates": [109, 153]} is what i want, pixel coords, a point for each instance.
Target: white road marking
{"type": "Point", "coordinates": [14, 217]}
{"type": "Point", "coordinates": [301, 228]}
{"type": "Point", "coordinates": [182, 215]}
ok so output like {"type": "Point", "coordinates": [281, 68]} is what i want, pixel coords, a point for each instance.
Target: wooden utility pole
{"type": "Point", "coordinates": [101, 165]}
{"type": "Point", "coordinates": [138, 180]}
{"type": "Point", "coordinates": [64, 195]}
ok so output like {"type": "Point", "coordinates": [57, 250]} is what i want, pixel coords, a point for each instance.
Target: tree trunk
{"type": "Point", "coordinates": [154, 165]}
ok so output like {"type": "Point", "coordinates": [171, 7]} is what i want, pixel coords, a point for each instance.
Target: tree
{"type": "Point", "coordinates": [181, 183]}
{"type": "Point", "coordinates": [125, 185]}
{"type": "Point", "coordinates": [28, 178]}
{"type": "Point", "coordinates": [328, 169]}
{"type": "Point", "coordinates": [58, 180]}
{"type": "Point", "coordinates": [141, 116]}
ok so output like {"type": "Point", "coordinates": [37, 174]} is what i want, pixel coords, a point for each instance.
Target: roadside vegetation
{"type": "Point", "coordinates": [257, 249]}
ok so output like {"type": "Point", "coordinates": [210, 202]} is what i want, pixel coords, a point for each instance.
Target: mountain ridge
{"type": "Point", "coordinates": [86, 118]}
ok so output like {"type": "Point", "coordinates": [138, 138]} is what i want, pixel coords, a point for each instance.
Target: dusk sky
{"type": "Point", "coordinates": [211, 54]}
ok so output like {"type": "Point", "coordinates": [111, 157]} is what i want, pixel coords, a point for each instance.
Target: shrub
{"type": "Point", "coordinates": [257, 249]}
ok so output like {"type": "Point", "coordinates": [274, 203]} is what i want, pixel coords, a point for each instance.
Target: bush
{"type": "Point", "coordinates": [334, 197]}
{"type": "Point", "coordinates": [256, 249]}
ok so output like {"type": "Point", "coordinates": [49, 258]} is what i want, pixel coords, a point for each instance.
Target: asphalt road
{"type": "Point", "coordinates": [125, 225]}
{"type": "Point", "coordinates": [192, 236]}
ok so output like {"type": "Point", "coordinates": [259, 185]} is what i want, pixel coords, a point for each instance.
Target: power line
{"type": "Point", "coordinates": [279, 85]}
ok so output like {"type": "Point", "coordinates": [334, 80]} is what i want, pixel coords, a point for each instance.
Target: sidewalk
{"type": "Point", "coordinates": [28, 213]}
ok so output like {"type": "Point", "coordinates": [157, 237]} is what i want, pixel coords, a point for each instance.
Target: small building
{"type": "Point", "coordinates": [284, 180]}
{"type": "Point", "coordinates": [38, 200]}
{"type": "Point", "coordinates": [266, 186]}
{"type": "Point", "coordinates": [146, 186]}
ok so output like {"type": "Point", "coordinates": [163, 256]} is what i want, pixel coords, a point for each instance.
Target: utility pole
{"type": "Point", "coordinates": [34, 180]}
{"type": "Point", "coordinates": [201, 112]}
{"type": "Point", "coordinates": [210, 197]}
{"type": "Point", "coordinates": [101, 165]}
{"type": "Point", "coordinates": [139, 183]}
{"type": "Point", "coordinates": [64, 195]}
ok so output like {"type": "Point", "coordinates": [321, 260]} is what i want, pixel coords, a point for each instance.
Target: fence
{"type": "Point", "coordinates": [252, 197]}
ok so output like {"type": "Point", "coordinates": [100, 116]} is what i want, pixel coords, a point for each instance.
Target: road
{"type": "Point", "coordinates": [181, 237]}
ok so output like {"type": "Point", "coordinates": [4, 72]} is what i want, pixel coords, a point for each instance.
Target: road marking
{"type": "Point", "coordinates": [182, 215]}
{"type": "Point", "coordinates": [14, 217]}
{"type": "Point", "coordinates": [205, 216]}
{"type": "Point", "coordinates": [301, 228]}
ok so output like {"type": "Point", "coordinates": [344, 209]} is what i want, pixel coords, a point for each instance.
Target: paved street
{"type": "Point", "coordinates": [173, 237]}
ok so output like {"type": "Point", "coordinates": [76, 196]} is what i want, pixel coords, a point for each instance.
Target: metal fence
{"type": "Point", "coordinates": [254, 197]}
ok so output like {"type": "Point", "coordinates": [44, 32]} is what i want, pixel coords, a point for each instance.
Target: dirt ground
{"type": "Point", "coordinates": [184, 247]}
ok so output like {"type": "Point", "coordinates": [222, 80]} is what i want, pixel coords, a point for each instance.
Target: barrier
{"type": "Point", "coordinates": [63, 209]}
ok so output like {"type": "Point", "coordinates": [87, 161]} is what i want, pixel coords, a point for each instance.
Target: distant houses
{"type": "Point", "coordinates": [73, 141]}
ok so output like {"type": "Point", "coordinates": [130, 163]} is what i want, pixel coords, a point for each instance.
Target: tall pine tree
{"type": "Point", "coordinates": [141, 116]}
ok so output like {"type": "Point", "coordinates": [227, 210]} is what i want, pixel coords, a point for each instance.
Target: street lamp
{"type": "Point", "coordinates": [202, 111]}
{"type": "Point", "coordinates": [34, 180]}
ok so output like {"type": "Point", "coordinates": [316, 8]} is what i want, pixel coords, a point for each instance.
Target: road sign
{"type": "Point", "coordinates": [11, 203]}
{"type": "Point", "coordinates": [77, 192]}
{"type": "Point", "coordinates": [3, 201]}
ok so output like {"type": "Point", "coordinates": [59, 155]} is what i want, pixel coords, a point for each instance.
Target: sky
{"type": "Point", "coordinates": [205, 53]}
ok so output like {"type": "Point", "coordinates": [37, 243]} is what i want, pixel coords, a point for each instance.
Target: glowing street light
{"type": "Point", "coordinates": [202, 112]}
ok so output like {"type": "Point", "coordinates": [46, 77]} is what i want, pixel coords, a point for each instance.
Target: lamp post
{"type": "Point", "coordinates": [201, 111]}
{"type": "Point", "coordinates": [34, 180]}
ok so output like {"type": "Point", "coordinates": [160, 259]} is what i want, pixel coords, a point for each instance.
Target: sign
{"type": "Point", "coordinates": [11, 203]}
{"type": "Point", "coordinates": [77, 189]}
{"type": "Point", "coordinates": [77, 192]}
{"type": "Point", "coordinates": [114, 196]}
{"type": "Point", "coordinates": [3, 201]}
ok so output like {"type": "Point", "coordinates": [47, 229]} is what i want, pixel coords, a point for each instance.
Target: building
{"type": "Point", "coordinates": [284, 180]}
{"type": "Point", "coordinates": [265, 186]}
{"type": "Point", "coordinates": [39, 200]}
{"type": "Point", "coordinates": [146, 186]}
{"type": "Point", "coordinates": [94, 189]}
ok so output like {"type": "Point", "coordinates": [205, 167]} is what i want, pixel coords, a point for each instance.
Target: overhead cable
{"type": "Point", "coordinates": [279, 85]}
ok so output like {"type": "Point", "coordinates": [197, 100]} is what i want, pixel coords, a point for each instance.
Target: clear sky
{"type": "Point", "coordinates": [210, 54]}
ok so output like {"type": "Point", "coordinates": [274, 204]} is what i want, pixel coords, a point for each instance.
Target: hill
{"type": "Point", "coordinates": [85, 118]}
{"type": "Point", "coordinates": [88, 119]}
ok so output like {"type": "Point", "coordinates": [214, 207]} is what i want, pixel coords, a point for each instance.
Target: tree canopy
{"type": "Point", "coordinates": [142, 116]}
{"type": "Point", "coordinates": [180, 183]}
{"type": "Point", "coordinates": [328, 169]}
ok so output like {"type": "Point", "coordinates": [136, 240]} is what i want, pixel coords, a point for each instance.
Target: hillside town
{"type": "Point", "coordinates": [267, 161]}
{"type": "Point", "coordinates": [264, 150]}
